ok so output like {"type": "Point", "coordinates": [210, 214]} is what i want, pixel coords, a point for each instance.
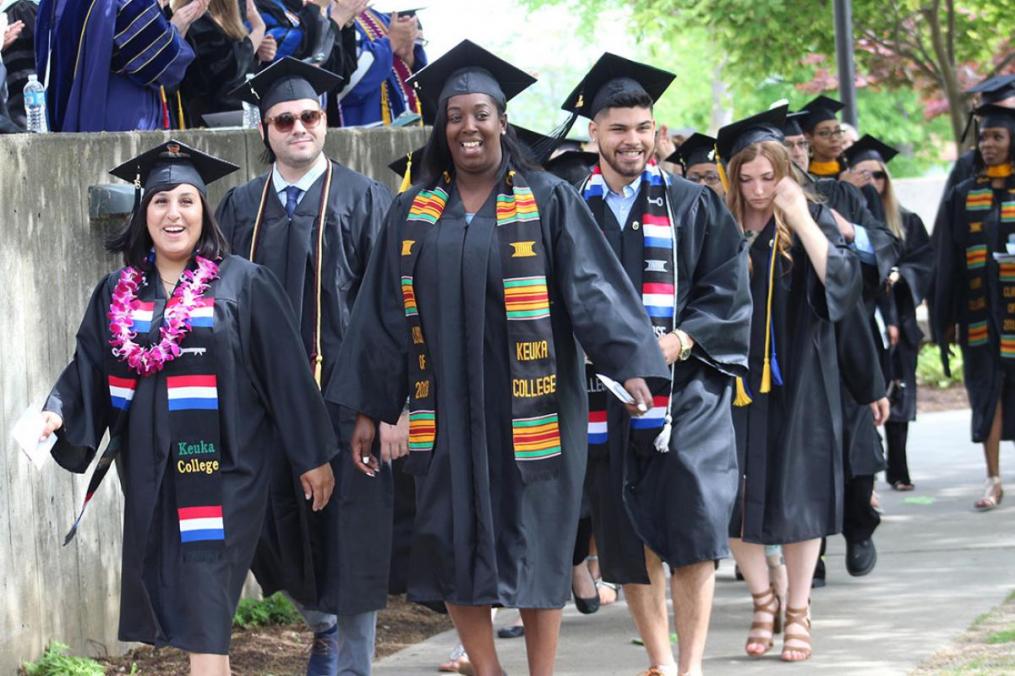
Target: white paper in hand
{"type": "Point", "coordinates": [616, 389]}
{"type": "Point", "coordinates": [26, 433]}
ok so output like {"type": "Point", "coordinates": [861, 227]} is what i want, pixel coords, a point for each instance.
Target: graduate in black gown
{"type": "Point", "coordinates": [679, 244]}
{"type": "Point", "coordinates": [313, 223]}
{"type": "Point", "coordinates": [973, 289]}
{"type": "Point", "coordinates": [878, 248]}
{"type": "Point", "coordinates": [485, 272]}
{"type": "Point", "coordinates": [789, 437]}
{"type": "Point", "coordinates": [224, 52]}
{"type": "Point", "coordinates": [897, 301]}
{"type": "Point", "coordinates": [205, 368]}
{"type": "Point", "coordinates": [697, 156]}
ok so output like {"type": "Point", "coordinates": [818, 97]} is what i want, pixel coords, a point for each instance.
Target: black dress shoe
{"type": "Point", "coordinates": [515, 631]}
{"type": "Point", "coordinates": [586, 606]}
{"type": "Point", "coordinates": [861, 557]}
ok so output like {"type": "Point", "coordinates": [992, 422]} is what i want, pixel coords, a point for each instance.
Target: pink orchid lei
{"type": "Point", "coordinates": [175, 322]}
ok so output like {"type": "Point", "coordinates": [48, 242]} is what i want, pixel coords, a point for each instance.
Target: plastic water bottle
{"type": "Point", "coordinates": [35, 105]}
{"type": "Point", "coordinates": [251, 114]}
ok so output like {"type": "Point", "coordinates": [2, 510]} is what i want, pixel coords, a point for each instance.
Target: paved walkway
{"type": "Point", "coordinates": [940, 565]}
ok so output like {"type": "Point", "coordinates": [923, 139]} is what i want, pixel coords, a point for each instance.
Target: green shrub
{"type": "Point", "coordinates": [55, 662]}
{"type": "Point", "coordinates": [274, 610]}
{"type": "Point", "coordinates": [930, 373]}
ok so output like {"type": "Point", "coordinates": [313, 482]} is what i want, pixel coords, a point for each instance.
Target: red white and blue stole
{"type": "Point", "coordinates": [981, 215]}
{"type": "Point", "coordinates": [658, 296]}
{"type": "Point", "coordinates": [191, 400]}
{"type": "Point", "coordinates": [531, 356]}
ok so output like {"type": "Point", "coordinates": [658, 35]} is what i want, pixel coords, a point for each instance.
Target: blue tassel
{"type": "Point", "coordinates": [776, 371]}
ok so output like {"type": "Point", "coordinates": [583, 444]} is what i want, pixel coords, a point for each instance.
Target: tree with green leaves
{"type": "Point", "coordinates": [936, 47]}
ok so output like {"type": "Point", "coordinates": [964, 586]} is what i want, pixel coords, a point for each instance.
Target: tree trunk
{"type": "Point", "coordinates": [946, 67]}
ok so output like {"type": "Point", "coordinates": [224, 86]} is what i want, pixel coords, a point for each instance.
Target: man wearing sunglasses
{"type": "Point", "coordinates": [313, 223]}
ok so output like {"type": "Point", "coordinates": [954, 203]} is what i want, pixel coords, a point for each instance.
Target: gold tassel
{"type": "Point", "coordinates": [742, 398]}
{"type": "Point", "coordinates": [721, 170]}
{"type": "Point", "coordinates": [766, 377]}
{"type": "Point", "coordinates": [179, 110]}
{"type": "Point", "coordinates": [407, 176]}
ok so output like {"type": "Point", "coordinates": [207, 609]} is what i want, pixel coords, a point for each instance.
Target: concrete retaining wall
{"type": "Point", "coordinates": [51, 257]}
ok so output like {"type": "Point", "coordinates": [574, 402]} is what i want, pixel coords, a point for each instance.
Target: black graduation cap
{"type": "Point", "coordinates": [993, 115]}
{"type": "Point", "coordinates": [468, 69]}
{"type": "Point", "coordinates": [869, 148]}
{"type": "Point", "coordinates": [995, 88]}
{"type": "Point", "coordinates": [765, 126]}
{"type": "Point", "coordinates": [172, 163]}
{"type": "Point", "coordinates": [573, 166]}
{"type": "Point", "coordinates": [818, 110]}
{"type": "Point", "coordinates": [287, 79]}
{"type": "Point", "coordinates": [612, 75]}
{"type": "Point", "coordinates": [793, 122]}
{"type": "Point", "coordinates": [403, 166]}
{"type": "Point", "coordinates": [697, 149]}
{"type": "Point", "coordinates": [540, 146]}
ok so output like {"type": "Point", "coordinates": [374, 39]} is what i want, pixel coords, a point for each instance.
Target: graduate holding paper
{"type": "Point", "coordinates": [205, 361]}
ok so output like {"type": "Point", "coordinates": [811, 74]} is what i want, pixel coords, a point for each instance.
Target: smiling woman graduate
{"type": "Point", "coordinates": [205, 360]}
{"type": "Point", "coordinates": [485, 272]}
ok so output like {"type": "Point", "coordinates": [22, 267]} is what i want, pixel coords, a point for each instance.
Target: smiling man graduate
{"type": "Point", "coordinates": [663, 486]}
{"type": "Point", "coordinates": [313, 223]}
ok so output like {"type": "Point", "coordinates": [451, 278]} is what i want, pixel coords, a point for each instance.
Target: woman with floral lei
{"type": "Point", "coordinates": [974, 289]}
{"type": "Point", "coordinates": [189, 358]}
{"type": "Point", "coordinates": [485, 272]}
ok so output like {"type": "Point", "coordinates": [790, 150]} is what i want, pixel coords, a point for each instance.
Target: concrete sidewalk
{"type": "Point", "coordinates": [940, 565]}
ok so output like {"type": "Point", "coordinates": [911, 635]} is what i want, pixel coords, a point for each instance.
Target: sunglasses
{"type": "Point", "coordinates": [284, 122]}
{"type": "Point", "coordinates": [878, 175]}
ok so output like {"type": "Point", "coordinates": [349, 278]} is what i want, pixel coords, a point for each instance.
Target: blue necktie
{"type": "Point", "coordinates": [292, 195]}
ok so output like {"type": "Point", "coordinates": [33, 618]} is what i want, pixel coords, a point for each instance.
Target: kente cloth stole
{"type": "Point", "coordinates": [658, 296]}
{"type": "Point", "coordinates": [191, 396]}
{"type": "Point", "coordinates": [375, 30]}
{"type": "Point", "coordinates": [531, 355]}
{"type": "Point", "coordinates": [980, 211]}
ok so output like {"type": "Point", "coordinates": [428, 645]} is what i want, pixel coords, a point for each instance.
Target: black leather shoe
{"type": "Point", "coordinates": [861, 557]}
{"type": "Point", "coordinates": [511, 632]}
{"type": "Point", "coordinates": [586, 606]}
{"type": "Point", "coordinates": [818, 581]}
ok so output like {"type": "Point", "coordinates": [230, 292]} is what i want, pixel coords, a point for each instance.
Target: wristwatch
{"type": "Point", "coordinates": [685, 345]}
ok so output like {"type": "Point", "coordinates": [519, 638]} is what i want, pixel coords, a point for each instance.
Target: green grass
{"type": "Point", "coordinates": [930, 373]}
{"type": "Point", "coordinates": [56, 662]}
{"type": "Point", "coordinates": [1004, 636]}
{"type": "Point", "coordinates": [274, 610]}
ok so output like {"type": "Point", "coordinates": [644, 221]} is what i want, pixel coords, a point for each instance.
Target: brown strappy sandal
{"type": "Point", "coordinates": [798, 616]}
{"type": "Point", "coordinates": [772, 606]}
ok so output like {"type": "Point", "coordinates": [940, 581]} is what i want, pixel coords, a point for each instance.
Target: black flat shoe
{"type": "Point", "coordinates": [586, 606]}
{"type": "Point", "coordinates": [861, 557]}
{"type": "Point", "coordinates": [511, 632]}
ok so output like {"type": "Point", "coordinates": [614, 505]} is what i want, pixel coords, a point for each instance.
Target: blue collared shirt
{"type": "Point", "coordinates": [862, 245]}
{"type": "Point", "coordinates": [621, 203]}
{"type": "Point", "coordinates": [308, 179]}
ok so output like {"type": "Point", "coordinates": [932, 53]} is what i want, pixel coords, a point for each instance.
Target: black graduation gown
{"type": "Point", "coordinates": [482, 536]}
{"type": "Point", "coordinates": [220, 64]}
{"type": "Point", "coordinates": [679, 503]}
{"type": "Point", "coordinates": [164, 599]}
{"type": "Point", "coordinates": [987, 378]}
{"type": "Point", "coordinates": [789, 442]}
{"type": "Point", "coordinates": [325, 559]}
{"type": "Point", "coordinates": [861, 442]}
{"type": "Point", "coordinates": [863, 382]}
{"type": "Point", "coordinates": [898, 306]}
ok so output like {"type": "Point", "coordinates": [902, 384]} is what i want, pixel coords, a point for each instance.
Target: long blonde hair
{"type": "Point", "coordinates": [777, 154]}
{"type": "Point", "coordinates": [226, 13]}
{"type": "Point", "coordinates": [893, 212]}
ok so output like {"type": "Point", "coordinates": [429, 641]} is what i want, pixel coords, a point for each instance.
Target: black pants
{"type": "Point", "coordinates": [859, 518]}
{"type": "Point", "coordinates": [895, 436]}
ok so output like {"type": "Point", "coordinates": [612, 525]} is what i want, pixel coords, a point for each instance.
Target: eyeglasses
{"type": "Point", "coordinates": [831, 133]}
{"type": "Point", "coordinates": [797, 145]}
{"type": "Point", "coordinates": [284, 122]}
{"type": "Point", "coordinates": [710, 178]}
{"type": "Point", "coordinates": [879, 175]}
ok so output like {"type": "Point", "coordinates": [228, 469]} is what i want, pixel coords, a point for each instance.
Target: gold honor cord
{"type": "Point", "coordinates": [317, 358]}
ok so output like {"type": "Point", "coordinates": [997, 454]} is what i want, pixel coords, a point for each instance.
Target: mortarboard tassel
{"type": "Point", "coordinates": [776, 371]}
{"type": "Point", "coordinates": [766, 370]}
{"type": "Point", "coordinates": [721, 170]}
{"type": "Point", "coordinates": [407, 176]}
{"type": "Point", "coordinates": [742, 398]}
{"type": "Point", "coordinates": [662, 441]}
